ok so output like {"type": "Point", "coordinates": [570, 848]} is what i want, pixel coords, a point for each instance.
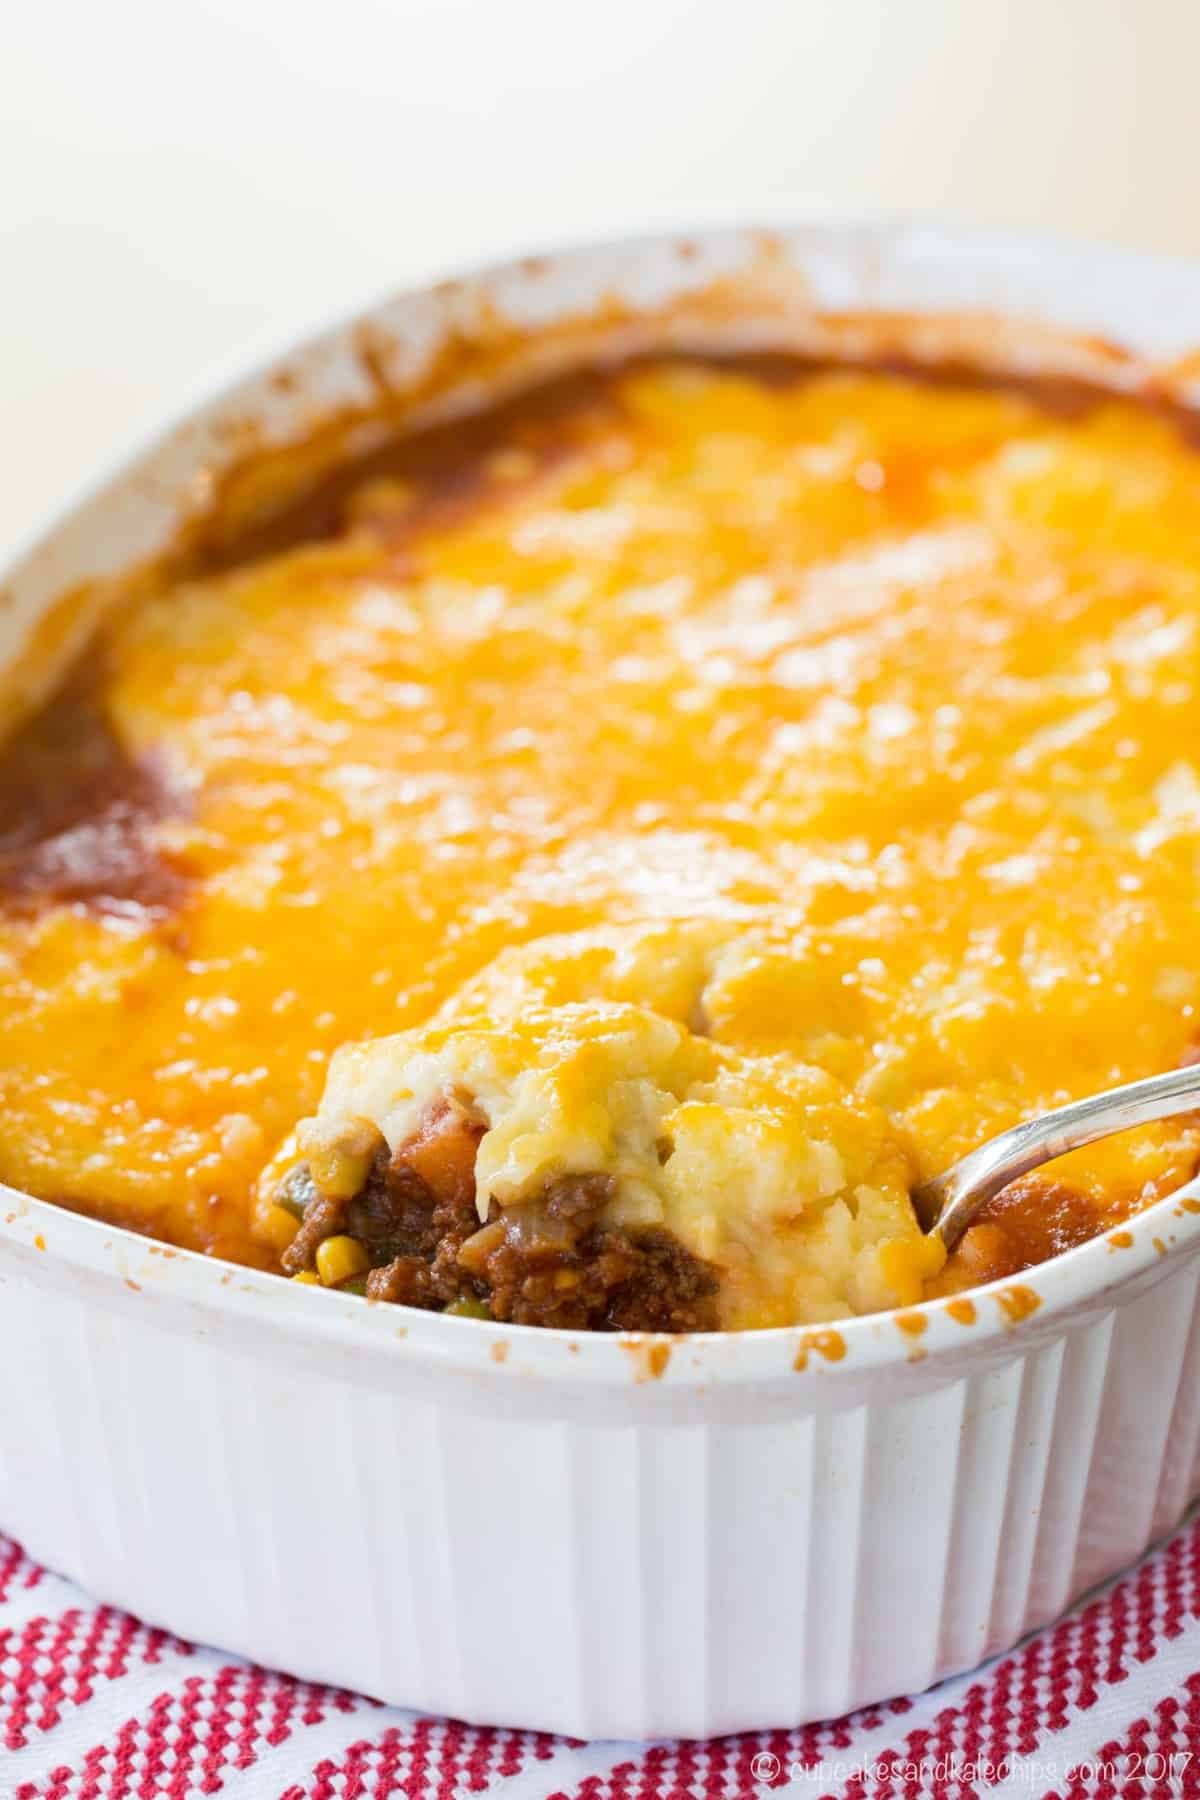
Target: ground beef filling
{"type": "Point", "coordinates": [545, 1261]}
{"type": "Point", "coordinates": [1026, 1223]}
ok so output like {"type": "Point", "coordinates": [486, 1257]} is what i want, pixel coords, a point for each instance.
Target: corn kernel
{"type": "Point", "coordinates": [278, 1227]}
{"type": "Point", "coordinates": [339, 1162]}
{"type": "Point", "coordinates": [339, 1258]}
{"type": "Point", "coordinates": [308, 1278]}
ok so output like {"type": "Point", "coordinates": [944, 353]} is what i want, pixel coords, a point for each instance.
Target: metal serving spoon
{"type": "Point", "coordinates": [950, 1202]}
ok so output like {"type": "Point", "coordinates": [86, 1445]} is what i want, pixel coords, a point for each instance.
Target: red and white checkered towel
{"type": "Point", "coordinates": [95, 1706]}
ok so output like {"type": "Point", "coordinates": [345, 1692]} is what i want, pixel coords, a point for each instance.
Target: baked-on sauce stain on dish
{"type": "Point", "coordinates": [738, 786]}
{"type": "Point", "coordinates": [829, 1345]}
{"type": "Point", "coordinates": [1018, 1303]}
{"type": "Point", "coordinates": [912, 1324]}
{"type": "Point", "coordinates": [77, 813]}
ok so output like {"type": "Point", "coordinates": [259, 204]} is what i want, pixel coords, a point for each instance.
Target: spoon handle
{"type": "Point", "coordinates": [950, 1202]}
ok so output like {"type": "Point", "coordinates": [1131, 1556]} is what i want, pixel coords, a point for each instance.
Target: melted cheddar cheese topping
{"type": "Point", "coordinates": [800, 770]}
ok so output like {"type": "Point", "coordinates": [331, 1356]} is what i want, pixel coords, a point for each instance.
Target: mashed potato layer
{"type": "Point", "coordinates": [763, 1166]}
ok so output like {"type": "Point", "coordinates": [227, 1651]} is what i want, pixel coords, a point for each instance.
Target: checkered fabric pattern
{"type": "Point", "coordinates": [95, 1706]}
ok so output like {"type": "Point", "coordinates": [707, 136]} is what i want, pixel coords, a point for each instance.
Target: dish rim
{"type": "Point", "coordinates": [140, 1268]}
{"type": "Point", "coordinates": [1159, 1237]}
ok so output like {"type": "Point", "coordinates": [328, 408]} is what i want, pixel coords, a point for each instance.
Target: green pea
{"type": "Point", "coordinates": [296, 1191]}
{"type": "Point", "coordinates": [467, 1307]}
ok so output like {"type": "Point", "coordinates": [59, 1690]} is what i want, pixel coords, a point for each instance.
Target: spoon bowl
{"type": "Point", "coordinates": [950, 1202]}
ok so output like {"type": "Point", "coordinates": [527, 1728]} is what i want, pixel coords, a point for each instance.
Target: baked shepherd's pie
{"type": "Point", "coordinates": [585, 863]}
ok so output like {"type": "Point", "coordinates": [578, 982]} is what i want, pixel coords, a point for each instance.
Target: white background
{"type": "Point", "coordinates": [184, 182]}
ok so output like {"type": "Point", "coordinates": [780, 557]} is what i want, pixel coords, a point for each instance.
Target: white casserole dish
{"type": "Point", "coordinates": [586, 1534]}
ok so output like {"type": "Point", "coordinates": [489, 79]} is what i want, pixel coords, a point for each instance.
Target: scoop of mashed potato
{"type": "Point", "coordinates": [591, 1056]}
